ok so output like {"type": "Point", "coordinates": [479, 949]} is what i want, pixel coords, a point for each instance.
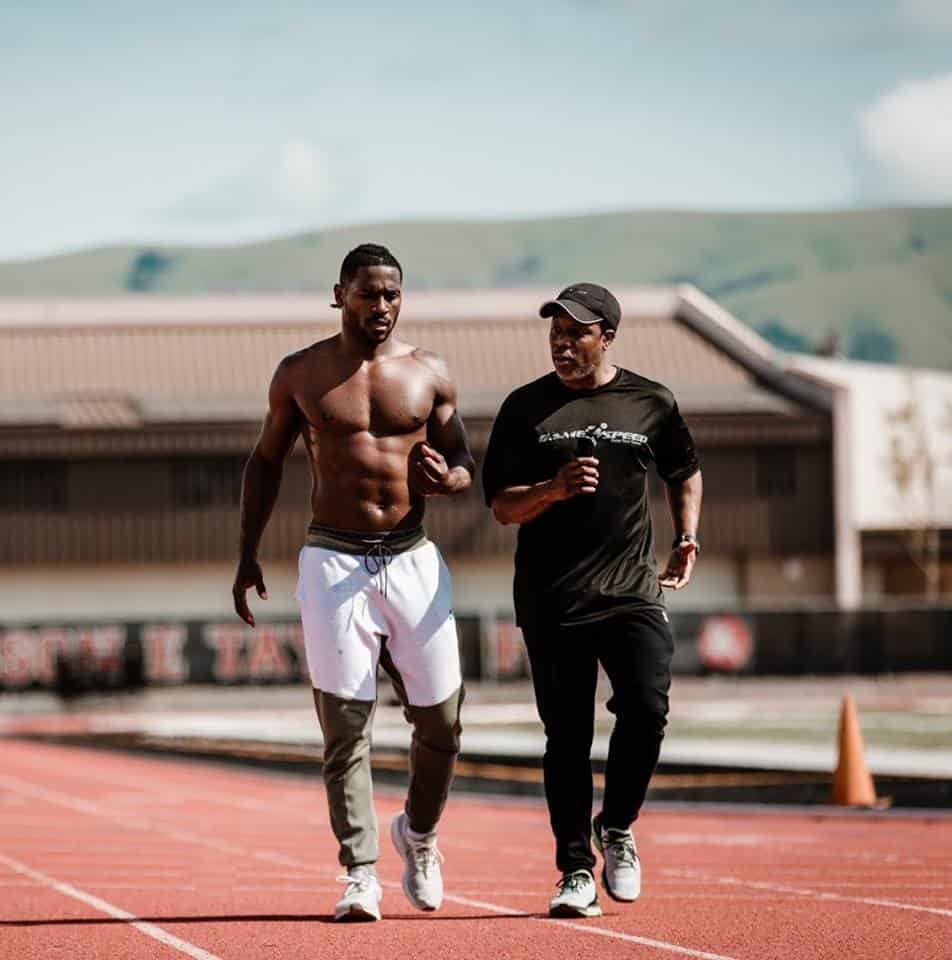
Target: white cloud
{"type": "Point", "coordinates": [908, 134]}
{"type": "Point", "coordinates": [302, 173]}
{"type": "Point", "coordinates": [292, 186]}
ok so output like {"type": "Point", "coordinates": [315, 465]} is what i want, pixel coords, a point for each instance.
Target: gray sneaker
{"type": "Point", "coordinates": [422, 878]}
{"type": "Point", "coordinates": [577, 896]}
{"type": "Point", "coordinates": [621, 871]}
{"type": "Point", "coordinates": [362, 895]}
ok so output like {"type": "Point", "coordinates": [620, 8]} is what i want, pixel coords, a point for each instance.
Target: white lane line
{"type": "Point", "coordinates": [643, 941]}
{"type": "Point", "coordinates": [806, 892]}
{"type": "Point", "coordinates": [586, 928]}
{"type": "Point", "coordinates": [881, 886]}
{"type": "Point", "coordinates": [311, 888]}
{"type": "Point", "coordinates": [26, 788]}
{"type": "Point", "coordinates": [490, 907]}
{"type": "Point", "coordinates": [129, 820]}
{"type": "Point", "coordinates": [175, 796]}
{"type": "Point", "coordinates": [735, 897]}
{"type": "Point", "coordinates": [186, 888]}
{"type": "Point", "coordinates": [110, 909]}
{"type": "Point", "coordinates": [98, 865]}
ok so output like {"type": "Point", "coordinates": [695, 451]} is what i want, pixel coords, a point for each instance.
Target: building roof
{"type": "Point", "coordinates": [150, 360]}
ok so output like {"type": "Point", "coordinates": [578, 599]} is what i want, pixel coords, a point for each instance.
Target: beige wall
{"type": "Point", "coordinates": [782, 579]}
{"type": "Point", "coordinates": [482, 586]}
{"type": "Point", "coordinates": [196, 591]}
{"type": "Point", "coordinates": [132, 592]}
{"type": "Point", "coordinates": [486, 587]}
{"type": "Point", "coordinates": [715, 582]}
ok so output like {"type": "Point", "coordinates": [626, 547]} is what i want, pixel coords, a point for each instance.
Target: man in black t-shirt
{"type": "Point", "coordinates": [568, 461]}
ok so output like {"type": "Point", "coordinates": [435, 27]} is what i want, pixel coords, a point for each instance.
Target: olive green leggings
{"type": "Point", "coordinates": [346, 725]}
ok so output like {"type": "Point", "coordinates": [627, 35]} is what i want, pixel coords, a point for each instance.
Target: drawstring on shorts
{"type": "Point", "coordinates": [376, 561]}
{"type": "Point", "coordinates": [376, 549]}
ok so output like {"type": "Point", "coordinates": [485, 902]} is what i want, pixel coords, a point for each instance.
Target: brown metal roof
{"type": "Point", "coordinates": [97, 413]}
{"type": "Point", "coordinates": [142, 380]}
{"type": "Point", "coordinates": [178, 360]}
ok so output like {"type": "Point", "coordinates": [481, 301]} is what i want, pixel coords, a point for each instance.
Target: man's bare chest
{"type": "Point", "coordinates": [382, 402]}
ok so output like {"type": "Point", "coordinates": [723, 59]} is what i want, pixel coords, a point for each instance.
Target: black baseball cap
{"type": "Point", "coordinates": [586, 303]}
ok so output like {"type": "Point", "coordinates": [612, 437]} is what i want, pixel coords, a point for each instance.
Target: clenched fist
{"type": "Point", "coordinates": [578, 476]}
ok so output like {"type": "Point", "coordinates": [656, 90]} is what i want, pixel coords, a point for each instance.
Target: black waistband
{"type": "Point", "coordinates": [362, 542]}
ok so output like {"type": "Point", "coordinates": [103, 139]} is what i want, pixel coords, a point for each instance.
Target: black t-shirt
{"type": "Point", "coordinates": [592, 555]}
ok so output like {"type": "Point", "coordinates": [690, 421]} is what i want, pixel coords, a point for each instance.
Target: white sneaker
{"type": "Point", "coordinates": [422, 878]}
{"type": "Point", "coordinates": [621, 871]}
{"type": "Point", "coordinates": [577, 896]}
{"type": "Point", "coordinates": [361, 899]}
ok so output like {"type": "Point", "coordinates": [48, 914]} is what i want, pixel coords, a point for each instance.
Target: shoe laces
{"type": "Point", "coordinates": [357, 882]}
{"type": "Point", "coordinates": [622, 846]}
{"type": "Point", "coordinates": [573, 882]}
{"type": "Point", "coordinates": [425, 855]}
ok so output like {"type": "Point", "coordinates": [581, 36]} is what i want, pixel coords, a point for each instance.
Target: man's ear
{"type": "Point", "coordinates": [607, 337]}
{"type": "Point", "coordinates": [338, 296]}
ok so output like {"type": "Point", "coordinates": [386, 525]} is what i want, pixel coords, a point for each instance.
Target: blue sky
{"type": "Point", "coordinates": [223, 122]}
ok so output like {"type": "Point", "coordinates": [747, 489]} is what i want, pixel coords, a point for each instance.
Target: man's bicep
{"type": "Point", "coordinates": [446, 432]}
{"type": "Point", "coordinates": [444, 428]}
{"type": "Point", "coordinates": [443, 414]}
{"type": "Point", "coordinates": [282, 423]}
{"type": "Point", "coordinates": [675, 456]}
{"type": "Point", "coordinates": [507, 463]}
{"type": "Point", "coordinates": [444, 391]}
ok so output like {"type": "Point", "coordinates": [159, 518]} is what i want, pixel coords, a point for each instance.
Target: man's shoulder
{"type": "Point", "coordinates": [300, 364]}
{"type": "Point", "coordinates": [433, 362]}
{"type": "Point", "coordinates": [635, 382]}
{"type": "Point", "coordinates": [530, 393]}
{"type": "Point", "coordinates": [296, 359]}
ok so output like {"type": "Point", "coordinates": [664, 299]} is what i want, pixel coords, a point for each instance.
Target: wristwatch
{"type": "Point", "coordinates": [683, 538]}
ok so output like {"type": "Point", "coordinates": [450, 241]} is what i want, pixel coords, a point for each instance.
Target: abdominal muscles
{"type": "Point", "coordinates": [361, 482]}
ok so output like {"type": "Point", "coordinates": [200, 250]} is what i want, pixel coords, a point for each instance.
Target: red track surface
{"type": "Point", "coordinates": [105, 855]}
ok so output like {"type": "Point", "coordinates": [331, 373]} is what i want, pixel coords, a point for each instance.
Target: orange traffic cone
{"type": "Point", "coordinates": [852, 783]}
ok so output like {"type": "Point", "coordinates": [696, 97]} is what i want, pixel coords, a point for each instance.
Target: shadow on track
{"type": "Point", "coordinates": [254, 918]}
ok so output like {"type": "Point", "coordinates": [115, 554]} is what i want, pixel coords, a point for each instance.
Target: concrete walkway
{"type": "Point", "coordinates": [754, 723]}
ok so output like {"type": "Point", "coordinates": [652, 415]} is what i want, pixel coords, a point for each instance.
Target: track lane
{"type": "Point", "coordinates": [236, 830]}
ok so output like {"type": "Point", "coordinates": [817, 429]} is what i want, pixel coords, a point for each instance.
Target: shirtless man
{"type": "Point", "coordinates": [380, 426]}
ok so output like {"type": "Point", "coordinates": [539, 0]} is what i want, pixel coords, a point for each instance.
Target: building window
{"type": "Point", "coordinates": [777, 472]}
{"type": "Point", "coordinates": [206, 482]}
{"type": "Point", "coordinates": [32, 485]}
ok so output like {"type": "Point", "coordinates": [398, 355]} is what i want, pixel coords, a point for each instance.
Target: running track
{"type": "Point", "coordinates": [110, 856]}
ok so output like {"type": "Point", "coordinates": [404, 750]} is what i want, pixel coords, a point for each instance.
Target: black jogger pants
{"type": "Point", "coordinates": [635, 649]}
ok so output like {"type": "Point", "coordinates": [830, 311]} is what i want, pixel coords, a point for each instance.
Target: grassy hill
{"type": "Point", "coordinates": [879, 280]}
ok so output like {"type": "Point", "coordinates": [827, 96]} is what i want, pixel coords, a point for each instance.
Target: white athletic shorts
{"type": "Point", "coordinates": [348, 613]}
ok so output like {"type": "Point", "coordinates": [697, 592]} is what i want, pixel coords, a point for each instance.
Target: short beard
{"type": "Point", "coordinates": [580, 372]}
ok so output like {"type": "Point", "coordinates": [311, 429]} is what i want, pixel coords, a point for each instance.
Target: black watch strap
{"type": "Point", "coordinates": [683, 538]}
